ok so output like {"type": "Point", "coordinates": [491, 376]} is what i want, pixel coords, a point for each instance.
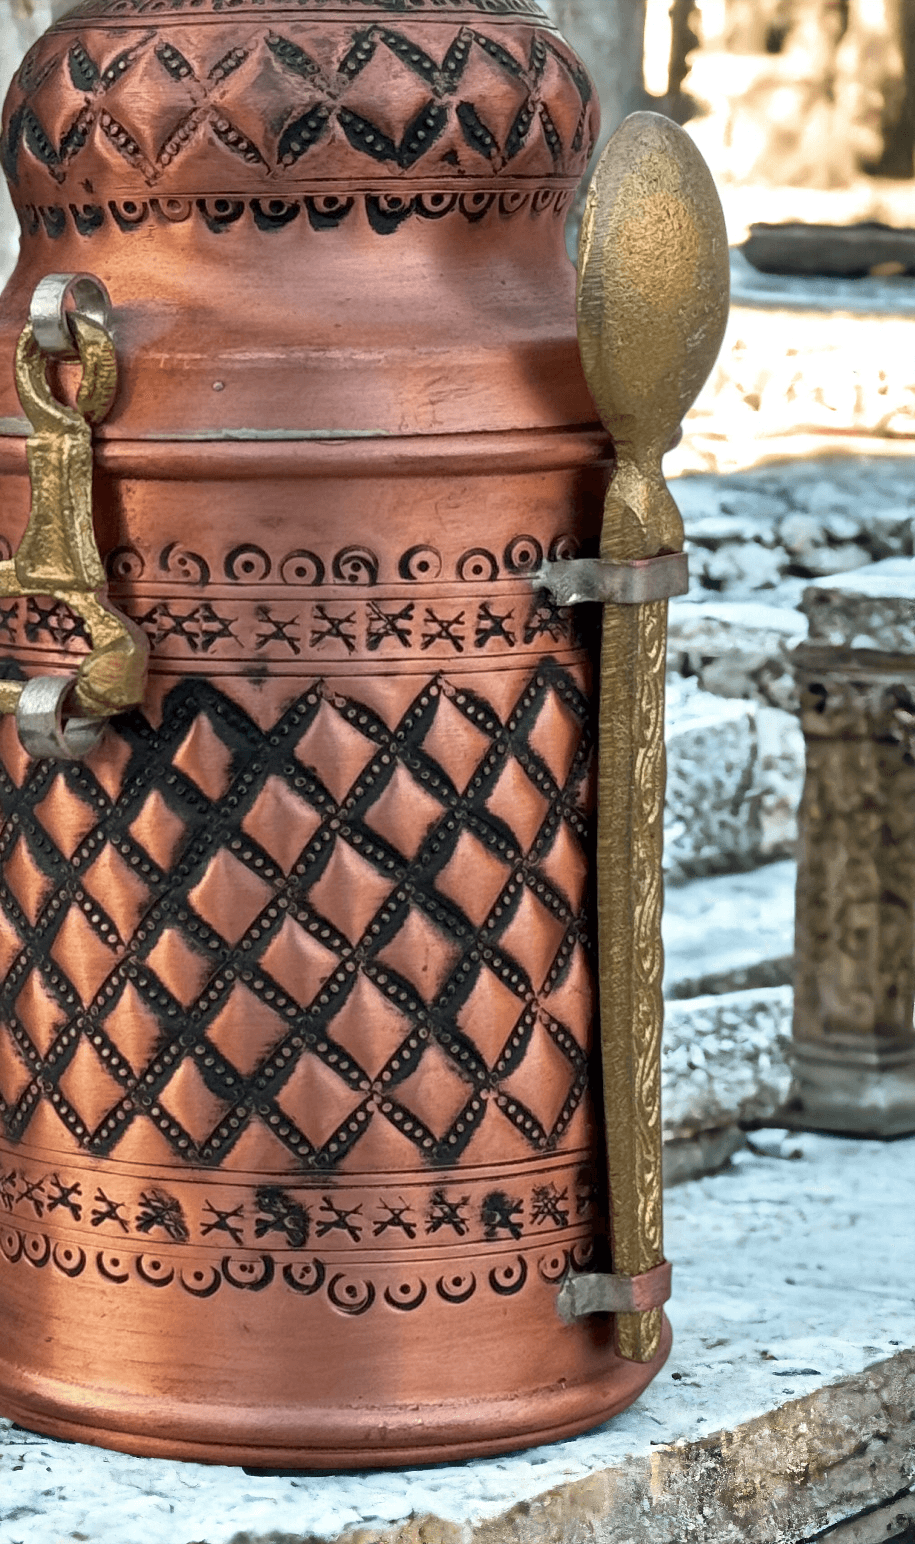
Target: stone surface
{"type": "Point", "coordinates": [874, 609]}
{"type": "Point", "coordinates": [725, 1060]}
{"type": "Point", "coordinates": [729, 932]}
{"type": "Point", "coordinates": [21, 22]}
{"type": "Point", "coordinates": [734, 777]}
{"type": "Point", "coordinates": [785, 1408]}
{"type": "Point", "coordinates": [737, 648]}
{"type": "Point", "coordinates": [883, 1525]}
{"type": "Point", "coordinates": [764, 528]}
{"type": "Point", "coordinates": [801, 363]}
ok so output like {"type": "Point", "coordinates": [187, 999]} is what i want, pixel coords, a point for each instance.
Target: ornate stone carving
{"type": "Point", "coordinates": [855, 960]}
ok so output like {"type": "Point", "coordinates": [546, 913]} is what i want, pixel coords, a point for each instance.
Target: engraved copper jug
{"type": "Point", "coordinates": [307, 1157]}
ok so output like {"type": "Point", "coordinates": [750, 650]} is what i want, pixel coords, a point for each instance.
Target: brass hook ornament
{"type": "Point", "coordinates": [653, 291]}
{"type": "Point", "coordinates": [63, 717]}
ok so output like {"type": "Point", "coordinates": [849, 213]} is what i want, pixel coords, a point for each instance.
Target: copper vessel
{"type": "Point", "coordinates": [301, 1110]}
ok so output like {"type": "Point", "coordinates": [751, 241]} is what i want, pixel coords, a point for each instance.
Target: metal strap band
{"type": "Point", "coordinates": [50, 310]}
{"type": "Point", "coordinates": [597, 1293]}
{"type": "Point", "coordinates": [632, 583]}
{"type": "Point", "coordinates": [41, 724]}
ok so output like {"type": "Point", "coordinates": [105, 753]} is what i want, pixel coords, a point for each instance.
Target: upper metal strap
{"type": "Point", "coordinates": [55, 299]}
{"type": "Point", "coordinates": [574, 580]}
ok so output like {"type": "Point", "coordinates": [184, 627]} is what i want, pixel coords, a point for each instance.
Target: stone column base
{"type": "Point", "coordinates": [852, 1093]}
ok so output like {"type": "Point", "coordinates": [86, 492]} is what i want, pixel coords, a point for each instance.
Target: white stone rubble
{"type": "Point", "coordinates": [725, 1059]}
{"type": "Point", "coordinates": [752, 530]}
{"type": "Point", "coordinates": [734, 777]}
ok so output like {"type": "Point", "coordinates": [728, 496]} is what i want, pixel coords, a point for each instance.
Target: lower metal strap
{"type": "Point", "coordinates": [602, 1293]}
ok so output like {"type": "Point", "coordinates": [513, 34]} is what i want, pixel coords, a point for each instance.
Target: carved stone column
{"type": "Point", "coordinates": [854, 1045]}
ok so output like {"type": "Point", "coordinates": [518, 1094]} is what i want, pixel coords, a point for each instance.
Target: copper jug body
{"type": "Point", "coordinates": [297, 1043]}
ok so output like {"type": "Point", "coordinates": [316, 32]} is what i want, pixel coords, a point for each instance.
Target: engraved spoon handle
{"type": "Point", "coordinates": [652, 307]}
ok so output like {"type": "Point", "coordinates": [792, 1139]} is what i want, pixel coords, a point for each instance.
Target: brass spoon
{"type": "Point", "coordinates": [653, 292]}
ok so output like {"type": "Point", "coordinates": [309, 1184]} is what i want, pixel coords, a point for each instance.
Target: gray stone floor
{"type": "Point", "coordinates": [727, 931]}
{"type": "Point", "coordinates": [785, 1407]}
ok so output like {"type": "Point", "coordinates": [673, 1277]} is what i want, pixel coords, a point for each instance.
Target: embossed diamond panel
{"type": "Point", "coordinates": [336, 929]}
{"type": "Point", "coordinates": [202, 110]}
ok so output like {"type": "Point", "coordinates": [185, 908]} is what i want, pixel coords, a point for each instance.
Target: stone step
{"type": "Point", "coordinates": [783, 1412]}
{"type": "Point", "coordinates": [806, 364]}
{"type": "Point", "coordinates": [735, 771]}
{"type": "Point", "coordinates": [873, 609]}
{"type": "Point", "coordinates": [749, 530]}
{"type": "Point", "coordinates": [724, 1067]}
{"type": "Point", "coordinates": [728, 932]}
{"type": "Point", "coordinates": [738, 647]}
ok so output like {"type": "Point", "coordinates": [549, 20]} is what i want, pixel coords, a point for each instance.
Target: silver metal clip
{"type": "Point", "coordinates": [56, 297]}
{"type": "Point", "coordinates": [602, 1293]}
{"type": "Point", "coordinates": [572, 581]}
{"type": "Point", "coordinates": [42, 727]}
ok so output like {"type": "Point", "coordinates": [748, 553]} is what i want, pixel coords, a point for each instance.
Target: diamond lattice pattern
{"type": "Point", "coordinates": [398, 962]}
{"type": "Point", "coordinates": [264, 105]}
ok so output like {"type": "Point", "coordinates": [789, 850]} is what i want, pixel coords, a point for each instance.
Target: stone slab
{"type": "Point", "coordinates": [738, 646]}
{"type": "Point", "coordinates": [728, 932]}
{"type": "Point", "coordinates": [865, 296]}
{"type": "Point", "coordinates": [873, 609]}
{"type": "Point", "coordinates": [804, 360]}
{"type": "Point", "coordinates": [785, 1408]}
{"type": "Point", "coordinates": [725, 1060]}
{"type": "Point", "coordinates": [688, 1158]}
{"type": "Point", "coordinates": [735, 771]}
{"type": "Point", "coordinates": [865, 1094]}
{"type": "Point", "coordinates": [724, 1068]}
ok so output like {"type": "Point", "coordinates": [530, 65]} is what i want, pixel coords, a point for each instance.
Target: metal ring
{"type": "Point", "coordinates": [41, 726]}
{"type": "Point", "coordinates": [55, 299]}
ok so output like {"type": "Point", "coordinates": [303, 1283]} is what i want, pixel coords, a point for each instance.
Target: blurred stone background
{"type": "Point", "coordinates": [21, 22]}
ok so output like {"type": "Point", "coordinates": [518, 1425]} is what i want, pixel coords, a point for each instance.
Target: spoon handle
{"type": "Point", "coordinates": [652, 306]}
